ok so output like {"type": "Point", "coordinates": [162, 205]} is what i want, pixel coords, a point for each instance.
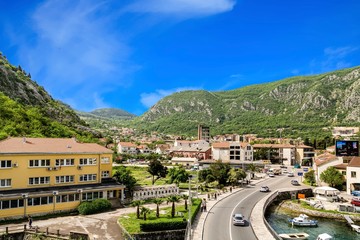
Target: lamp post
{"type": "Point", "coordinates": [25, 196]}
{"type": "Point", "coordinates": [189, 217]}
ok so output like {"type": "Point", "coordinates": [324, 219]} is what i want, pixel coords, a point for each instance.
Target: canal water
{"type": "Point", "coordinates": [339, 230]}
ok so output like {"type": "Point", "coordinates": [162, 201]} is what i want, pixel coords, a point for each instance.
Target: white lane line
{"type": "Point", "coordinates": [232, 212]}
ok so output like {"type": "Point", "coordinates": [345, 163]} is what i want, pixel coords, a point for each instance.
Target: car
{"type": "Point", "coordinates": [295, 182]}
{"type": "Point", "coordinates": [271, 174]}
{"type": "Point", "coordinates": [238, 219]}
{"type": "Point", "coordinates": [355, 201]}
{"type": "Point", "coordinates": [297, 166]}
{"type": "Point", "coordinates": [355, 193]}
{"type": "Point", "coordinates": [264, 189]}
{"type": "Point", "coordinates": [290, 174]}
{"type": "Point", "coordinates": [284, 170]}
{"type": "Point", "coordinates": [283, 166]}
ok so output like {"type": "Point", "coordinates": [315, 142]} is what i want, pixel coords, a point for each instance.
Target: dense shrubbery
{"type": "Point", "coordinates": [96, 206]}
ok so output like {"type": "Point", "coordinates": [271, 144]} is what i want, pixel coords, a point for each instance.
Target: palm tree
{"type": "Point", "coordinates": [173, 199]}
{"type": "Point", "coordinates": [137, 204]}
{"type": "Point", "coordinates": [144, 211]}
{"type": "Point", "coordinates": [185, 197]}
{"type": "Point", "coordinates": [158, 201]}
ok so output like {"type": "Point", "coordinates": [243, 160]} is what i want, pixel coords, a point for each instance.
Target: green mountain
{"type": "Point", "coordinates": [26, 109]}
{"type": "Point", "coordinates": [297, 106]}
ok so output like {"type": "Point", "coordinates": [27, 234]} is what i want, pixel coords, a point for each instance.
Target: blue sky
{"type": "Point", "coordinates": [130, 54]}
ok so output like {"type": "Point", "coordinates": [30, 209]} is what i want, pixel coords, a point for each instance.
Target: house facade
{"type": "Point", "coordinates": [127, 147]}
{"type": "Point", "coordinates": [45, 175]}
{"type": "Point", "coordinates": [353, 175]}
{"type": "Point", "coordinates": [226, 151]}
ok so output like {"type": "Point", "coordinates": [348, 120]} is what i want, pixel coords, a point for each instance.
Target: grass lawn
{"type": "Point", "coordinates": [132, 224]}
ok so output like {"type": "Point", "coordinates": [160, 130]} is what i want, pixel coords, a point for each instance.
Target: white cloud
{"type": "Point", "coordinates": [332, 59]}
{"type": "Point", "coordinates": [183, 8]}
{"type": "Point", "coordinates": [149, 99]}
{"type": "Point", "coordinates": [75, 48]}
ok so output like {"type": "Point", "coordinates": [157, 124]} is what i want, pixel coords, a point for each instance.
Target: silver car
{"type": "Point", "coordinates": [238, 219]}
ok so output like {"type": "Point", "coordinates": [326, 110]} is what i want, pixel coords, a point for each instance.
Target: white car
{"type": "Point", "coordinates": [284, 171]}
{"type": "Point", "coordinates": [295, 182]}
{"type": "Point", "coordinates": [271, 174]}
{"type": "Point", "coordinates": [290, 174]}
{"type": "Point", "coordinates": [264, 189]}
{"type": "Point", "coordinates": [238, 219]}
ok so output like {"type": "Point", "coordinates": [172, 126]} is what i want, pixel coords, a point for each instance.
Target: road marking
{"type": "Point", "coordinates": [232, 212]}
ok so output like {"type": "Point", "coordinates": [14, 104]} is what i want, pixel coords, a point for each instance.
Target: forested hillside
{"type": "Point", "coordinates": [299, 106]}
{"type": "Point", "coordinates": [26, 109]}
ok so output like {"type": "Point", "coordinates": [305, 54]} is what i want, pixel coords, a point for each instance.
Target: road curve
{"type": "Point", "coordinates": [218, 224]}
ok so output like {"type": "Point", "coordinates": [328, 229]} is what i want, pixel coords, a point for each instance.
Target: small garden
{"type": "Point", "coordinates": [170, 217]}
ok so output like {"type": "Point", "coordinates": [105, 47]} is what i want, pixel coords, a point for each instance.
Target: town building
{"type": "Point", "coordinates": [353, 175]}
{"type": "Point", "coordinates": [127, 147]}
{"type": "Point", "coordinates": [226, 151]}
{"type": "Point", "coordinates": [47, 175]}
{"type": "Point", "coordinates": [203, 133]}
{"type": "Point", "coordinates": [345, 131]}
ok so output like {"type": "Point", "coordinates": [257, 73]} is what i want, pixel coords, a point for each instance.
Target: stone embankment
{"type": "Point", "coordinates": [292, 206]}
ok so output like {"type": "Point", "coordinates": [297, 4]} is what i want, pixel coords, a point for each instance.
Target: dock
{"type": "Point", "coordinates": [348, 219]}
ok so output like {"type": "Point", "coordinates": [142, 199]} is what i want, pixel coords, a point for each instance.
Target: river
{"type": "Point", "coordinates": [339, 230]}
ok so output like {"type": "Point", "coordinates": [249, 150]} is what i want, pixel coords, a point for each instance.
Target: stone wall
{"type": "Point", "coordinates": [161, 235]}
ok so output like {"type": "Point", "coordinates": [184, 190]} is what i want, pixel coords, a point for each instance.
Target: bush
{"type": "Point", "coordinates": [96, 206]}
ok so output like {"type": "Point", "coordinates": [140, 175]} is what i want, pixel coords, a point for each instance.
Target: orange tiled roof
{"type": "Point", "coordinates": [273, 146]}
{"type": "Point", "coordinates": [341, 166]}
{"type": "Point", "coordinates": [355, 162]}
{"type": "Point", "coordinates": [49, 145]}
{"type": "Point", "coordinates": [324, 158]}
{"type": "Point", "coordinates": [127, 144]}
{"type": "Point", "coordinates": [221, 145]}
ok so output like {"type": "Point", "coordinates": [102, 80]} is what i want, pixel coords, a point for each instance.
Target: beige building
{"type": "Point", "coordinates": [44, 175]}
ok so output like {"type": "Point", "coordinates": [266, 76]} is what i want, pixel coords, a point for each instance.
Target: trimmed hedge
{"type": "Point", "coordinates": [174, 225]}
{"type": "Point", "coordinates": [96, 206]}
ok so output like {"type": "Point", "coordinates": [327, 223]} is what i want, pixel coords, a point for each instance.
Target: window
{"type": "Point", "coordinates": [5, 164]}
{"type": "Point", "coordinates": [39, 180]}
{"type": "Point", "coordinates": [92, 195]}
{"type": "Point", "coordinates": [343, 173]}
{"type": "Point", "coordinates": [87, 161]}
{"type": "Point", "coordinates": [87, 177]}
{"type": "Point", "coordinates": [105, 160]}
{"type": "Point", "coordinates": [248, 148]}
{"type": "Point", "coordinates": [39, 163]}
{"type": "Point", "coordinates": [67, 198]}
{"type": "Point", "coordinates": [5, 183]}
{"type": "Point", "coordinates": [64, 162]}
{"type": "Point", "coordinates": [105, 174]}
{"type": "Point", "coordinates": [353, 174]}
{"type": "Point", "coordinates": [40, 201]}
{"type": "Point", "coordinates": [64, 179]}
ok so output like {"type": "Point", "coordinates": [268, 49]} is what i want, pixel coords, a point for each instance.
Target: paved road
{"type": "Point", "coordinates": [218, 224]}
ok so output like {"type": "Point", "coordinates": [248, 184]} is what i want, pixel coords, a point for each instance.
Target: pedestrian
{"type": "Point", "coordinates": [231, 189]}
{"type": "Point", "coordinates": [30, 221]}
{"type": "Point", "coordinates": [203, 203]}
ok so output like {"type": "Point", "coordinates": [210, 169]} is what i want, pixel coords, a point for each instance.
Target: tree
{"type": "Point", "coordinates": [235, 175]}
{"type": "Point", "coordinates": [144, 211]}
{"type": "Point", "coordinates": [178, 175]}
{"type": "Point", "coordinates": [220, 171]}
{"type": "Point", "coordinates": [123, 175]}
{"type": "Point", "coordinates": [158, 201]}
{"type": "Point", "coordinates": [332, 177]}
{"type": "Point", "coordinates": [156, 169]}
{"type": "Point", "coordinates": [173, 199]}
{"type": "Point", "coordinates": [310, 177]}
{"type": "Point", "coordinates": [137, 204]}
{"type": "Point", "coordinates": [185, 197]}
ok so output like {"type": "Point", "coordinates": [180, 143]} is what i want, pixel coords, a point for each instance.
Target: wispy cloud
{"type": "Point", "coordinates": [333, 59]}
{"type": "Point", "coordinates": [149, 99]}
{"type": "Point", "coordinates": [74, 48]}
{"type": "Point", "coordinates": [183, 8]}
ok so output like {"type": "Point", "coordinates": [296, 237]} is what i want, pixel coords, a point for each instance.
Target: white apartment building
{"type": "Point", "coordinates": [353, 175]}
{"type": "Point", "coordinates": [240, 151]}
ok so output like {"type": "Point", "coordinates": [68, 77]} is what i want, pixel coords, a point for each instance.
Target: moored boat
{"type": "Point", "coordinates": [324, 236]}
{"type": "Point", "coordinates": [303, 220]}
{"type": "Point", "coordinates": [291, 236]}
{"type": "Point", "coordinates": [356, 228]}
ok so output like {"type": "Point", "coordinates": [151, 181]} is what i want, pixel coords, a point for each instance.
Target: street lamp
{"type": "Point", "coordinates": [25, 196]}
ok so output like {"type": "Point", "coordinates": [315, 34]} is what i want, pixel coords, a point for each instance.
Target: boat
{"type": "Point", "coordinates": [303, 220]}
{"type": "Point", "coordinates": [324, 236]}
{"type": "Point", "coordinates": [290, 236]}
{"type": "Point", "coordinates": [356, 228]}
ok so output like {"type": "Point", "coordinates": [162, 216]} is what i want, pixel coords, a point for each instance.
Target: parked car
{"type": "Point", "coordinates": [284, 170]}
{"type": "Point", "coordinates": [271, 174]}
{"type": "Point", "coordinates": [355, 201]}
{"type": "Point", "coordinates": [355, 193]}
{"type": "Point", "coordinates": [238, 219]}
{"type": "Point", "coordinates": [283, 166]}
{"type": "Point", "coordinates": [264, 189]}
{"type": "Point", "coordinates": [295, 182]}
{"type": "Point", "coordinates": [290, 174]}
